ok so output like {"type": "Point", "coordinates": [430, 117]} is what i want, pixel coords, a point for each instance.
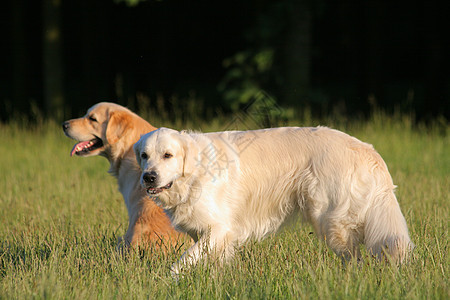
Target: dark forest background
{"type": "Point", "coordinates": [59, 57]}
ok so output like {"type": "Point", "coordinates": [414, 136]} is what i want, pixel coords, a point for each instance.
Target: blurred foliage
{"type": "Point", "coordinates": [251, 70]}
{"type": "Point", "coordinates": [247, 71]}
{"type": "Point", "coordinates": [351, 56]}
{"type": "Point", "coordinates": [130, 3]}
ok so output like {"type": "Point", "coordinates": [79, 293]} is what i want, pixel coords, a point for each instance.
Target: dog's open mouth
{"type": "Point", "coordinates": [156, 191]}
{"type": "Point", "coordinates": [86, 147]}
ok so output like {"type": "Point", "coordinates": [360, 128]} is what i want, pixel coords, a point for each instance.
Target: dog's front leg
{"type": "Point", "coordinates": [214, 242]}
{"type": "Point", "coordinates": [190, 257]}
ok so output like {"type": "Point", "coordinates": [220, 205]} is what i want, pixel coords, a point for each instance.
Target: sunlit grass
{"type": "Point", "coordinates": [61, 216]}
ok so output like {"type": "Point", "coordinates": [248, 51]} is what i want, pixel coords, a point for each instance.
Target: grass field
{"type": "Point", "coordinates": [60, 218]}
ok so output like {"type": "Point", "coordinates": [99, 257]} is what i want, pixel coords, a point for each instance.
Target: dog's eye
{"type": "Point", "coordinates": [92, 118]}
{"type": "Point", "coordinates": [144, 155]}
{"type": "Point", "coordinates": [167, 155]}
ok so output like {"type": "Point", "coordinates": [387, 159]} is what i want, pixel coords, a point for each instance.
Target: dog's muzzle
{"type": "Point", "coordinates": [150, 182]}
{"type": "Point", "coordinates": [150, 178]}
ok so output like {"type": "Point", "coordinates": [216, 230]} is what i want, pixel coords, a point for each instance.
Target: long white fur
{"type": "Point", "coordinates": [229, 187]}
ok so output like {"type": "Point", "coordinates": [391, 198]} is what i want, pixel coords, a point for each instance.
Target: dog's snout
{"type": "Point", "coordinates": [150, 177]}
{"type": "Point", "coordinates": [65, 125]}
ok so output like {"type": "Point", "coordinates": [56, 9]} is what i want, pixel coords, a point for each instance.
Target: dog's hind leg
{"type": "Point", "coordinates": [386, 231]}
{"type": "Point", "coordinates": [343, 240]}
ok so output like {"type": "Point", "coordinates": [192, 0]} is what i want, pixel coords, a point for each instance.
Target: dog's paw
{"type": "Point", "coordinates": [122, 246]}
{"type": "Point", "coordinates": [175, 272]}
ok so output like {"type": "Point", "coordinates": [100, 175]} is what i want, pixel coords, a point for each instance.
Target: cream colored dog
{"type": "Point", "coordinates": [228, 187]}
{"type": "Point", "coordinates": [110, 130]}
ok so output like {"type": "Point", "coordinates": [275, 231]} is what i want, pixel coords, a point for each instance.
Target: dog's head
{"type": "Point", "coordinates": [106, 129]}
{"type": "Point", "coordinates": [163, 158]}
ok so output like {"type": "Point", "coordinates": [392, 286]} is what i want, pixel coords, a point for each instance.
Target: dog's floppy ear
{"type": "Point", "coordinates": [118, 125]}
{"type": "Point", "coordinates": [190, 158]}
{"type": "Point", "coordinates": [137, 149]}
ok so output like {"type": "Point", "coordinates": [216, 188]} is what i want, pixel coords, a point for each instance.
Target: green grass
{"type": "Point", "coordinates": [60, 218]}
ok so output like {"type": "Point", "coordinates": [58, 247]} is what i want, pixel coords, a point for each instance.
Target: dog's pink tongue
{"type": "Point", "coordinates": [78, 146]}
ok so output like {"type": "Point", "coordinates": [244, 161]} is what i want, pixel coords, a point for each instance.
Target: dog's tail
{"type": "Point", "coordinates": [386, 233]}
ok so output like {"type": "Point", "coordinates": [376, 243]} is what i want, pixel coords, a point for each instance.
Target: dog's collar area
{"type": "Point", "coordinates": [84, 148]}
{"type": "Point", "coordinates": [158, 190]}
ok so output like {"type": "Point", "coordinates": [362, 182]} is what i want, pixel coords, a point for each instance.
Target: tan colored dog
{"type": "Point", "coordinates": [110, 130]}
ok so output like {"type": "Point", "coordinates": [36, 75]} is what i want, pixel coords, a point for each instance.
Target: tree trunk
{"type": "Point", "coordinates": [52, 59]}
{"type": "Point", "coordinates": [19, 56]}
{"type": "Point", "coordinates": [298, 52]}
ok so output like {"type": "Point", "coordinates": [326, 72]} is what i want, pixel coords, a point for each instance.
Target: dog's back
{"type": "Point", "coordinates": [340, 184]}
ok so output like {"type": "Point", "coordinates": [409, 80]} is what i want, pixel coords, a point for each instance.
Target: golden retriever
{"type": "Point", "coordinates": [227, 187]}
{"type": "Point", "coordinates": [110, 130]}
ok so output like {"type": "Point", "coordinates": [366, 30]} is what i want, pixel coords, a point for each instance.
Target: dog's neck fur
{"type": "Point", "coordinates": [123, 164]}
{"type": "Point", "coordinates": [178, 204]}
{"type": "Point", "coordinates": [118, 152]}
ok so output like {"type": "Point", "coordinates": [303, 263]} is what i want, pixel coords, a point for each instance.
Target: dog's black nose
{"type": "Point", "coordinates": [150, 177]}
{"type": "Point", "coordinates": [65, 125]}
